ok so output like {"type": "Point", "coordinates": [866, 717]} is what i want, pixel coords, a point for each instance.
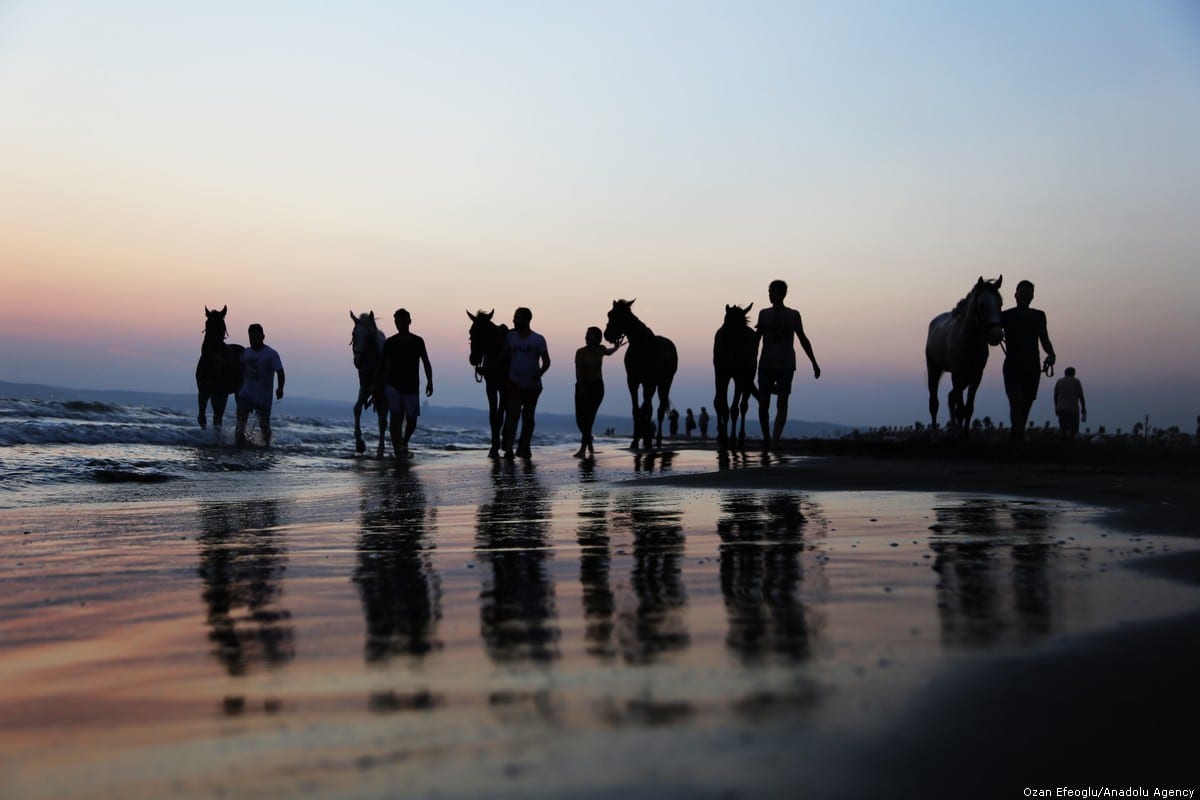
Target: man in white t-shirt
{"type": "Point", "coordinates": [260, 366]}
{"type": "Point", "coordinates": [777, 324]}
{"type": "Point", "coordinates": [528, 361]}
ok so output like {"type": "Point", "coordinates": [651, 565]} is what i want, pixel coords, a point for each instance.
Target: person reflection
{"type": "Point", "coordinates": [762, 539]}
{"type": "Point", "coordinates": [518, 617]}
{"type": "Point", "coordinates": [993, 561]}
{"type": "Point", "coordinates": [595, 563]}
{"type": "Point", "coordinates": [399, 588]}
{"type": "Point", "coordinates": [242, 563]}
{"type": "Point", "coordinates": [656, 626]}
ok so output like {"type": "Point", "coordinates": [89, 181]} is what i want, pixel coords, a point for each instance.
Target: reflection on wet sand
{"type": "Point", "coordinates": [993, 559]}
{"type": "Point", "coordinates": [399, 588]}
{"type": "Point", "coordinates": [242, 563]}
{"type": "Point", "coordinates": [595, 565]}
{"type": "Point", "coordinates": [517, 612]}
{"type": "Point", "coordinates": [762, 538]}
{"type": "Point", "coordinates": [655, 625]}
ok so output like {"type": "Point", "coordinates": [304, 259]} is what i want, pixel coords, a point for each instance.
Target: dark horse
{"type": "Point", "coordinates": [219, 370]}
{"type": "Point", "coordinates": [367, 342]}
{"type": "Point", "coordinates": [489, 357]}
{"type": "Point", "coordinates": [735, 357]}
{"type": "Point", "coordinates": [650, 363]}
{"type": "Point", "coordinates": [958, 343]}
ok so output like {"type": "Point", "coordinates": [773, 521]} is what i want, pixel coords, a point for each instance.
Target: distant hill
{"type": "Point", "coordinates": [451, 416]}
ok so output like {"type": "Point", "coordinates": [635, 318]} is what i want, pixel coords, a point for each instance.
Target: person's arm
{"type": "Point", "coordinates": [1044, 337]}
{"type": "Point", "coordinates": [428, 373]}
{"type": "Point", "coordinates": [544, 361]}
{"type": "Point", "coordinates": [807, 345]}
{"type": "Point", "coordinates": [279, 377]}
{"type": "Point", "coordinates": [1082, 403]}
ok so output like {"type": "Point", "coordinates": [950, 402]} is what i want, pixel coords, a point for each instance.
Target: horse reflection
{"type": "Point", "coordinates": [993, 561]}
{"type": "Point", "coordinates": [762, 539]}
{"type": "Point", "coordinates": [656, 625]}
{"type": "Point", "coordinates": [242, 564]}
{"type": "Point", "coordinates": [517, 610]}
{"type": "Point", "coordinates": [399, 588]}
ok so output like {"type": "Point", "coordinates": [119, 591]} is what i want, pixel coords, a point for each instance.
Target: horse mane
{"type": "Point", "coordinates": [961, 305]}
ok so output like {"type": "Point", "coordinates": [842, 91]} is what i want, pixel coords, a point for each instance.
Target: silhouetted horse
{"type": "Point", "coordinates": [735, 358]}
{"type": "Point", "coordinates": [367, 342]}
{"type": "Point", "coordinates": [650, 363]}
{"type": "Point", "coordinates": [219, 370]}
{"type": "Point", "coordinates": [489, 356]}
{"type": "Point", "coordinates": [958, 343]}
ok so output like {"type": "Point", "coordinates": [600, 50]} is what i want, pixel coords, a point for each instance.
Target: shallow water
{"type": "Point", "coordinates": [458, 627]}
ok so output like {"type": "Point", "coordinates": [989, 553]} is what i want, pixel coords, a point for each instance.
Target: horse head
{"type": "Point", "coordinates": [366, 340]}
{"type": "Point", "coordinates": [620, 319]}
{"type": "Point", "coordinates": [482, 335]}
{"type": "Point", "coordinates": [736, 316]}
{"type": "Point", "coordinates": [985, 304]}
{"type": "Point", "coordinates": [215, 331]}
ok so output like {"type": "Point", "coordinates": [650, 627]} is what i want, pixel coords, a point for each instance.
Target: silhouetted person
{"type": "Point", "coordinates": [689, 424]}
{"type": "Point", "coordinates": [703, 422]}
{"type": "Point", "coordinates": [260, 366]}
{"type": "Point", "coordinates": [528, 361]}
{"type": "Point", "coordinates": [1024, 329]}
{"type": "Point", "coordinates": [1069, 404]}
{"type": "Point", "coordinates": [776, 326]}
{"type": "Point", "coordinates": [673, 421]}
{"type": "Point", "coordinates": [399, 373]}
{"type": "Point", "coordinates": [589, 386]}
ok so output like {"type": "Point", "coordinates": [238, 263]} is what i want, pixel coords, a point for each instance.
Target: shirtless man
{"type": "Point", "coordinates": [777, 324]}
{"type": "Point", "coordinates": [1024, 329]}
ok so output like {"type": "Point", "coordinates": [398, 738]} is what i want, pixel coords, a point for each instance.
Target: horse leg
{"type": "Point", "coordinates": [202, 418]}
{"type": "Point", "coordinates": [496, 415]}
{"type": "Point", "coordinates": [664, 403]}
{"type": "Point", "coordinates": [742, 407]}
{"type": "Point", "coordinates": [969, 409]}
{"type": "Point", "coordinates": [381, 410]}
{"type": "Point", "coordinates": [721, 406]}
{"type": "Point", "coordinates": [637, 427]}
{"type": "Point", "coordinates": [219, 399]}
{"type": "Point", "coordinates": [359, 444]}
{"type": "Point", "coordinates": [935, 376]}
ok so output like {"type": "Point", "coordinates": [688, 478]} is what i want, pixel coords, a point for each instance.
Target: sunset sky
{"type": "Point", "coordinates": [296, 160]}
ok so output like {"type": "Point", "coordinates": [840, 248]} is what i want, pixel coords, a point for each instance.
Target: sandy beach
{"type": "Point", "coordinates": [827, 622]}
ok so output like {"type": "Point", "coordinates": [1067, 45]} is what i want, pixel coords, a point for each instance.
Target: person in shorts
{"type": "Point", "coordinates": [777, 325]}
{"type": "Point", "coordinates": [399, 373]}
{"type": "Point", "coordinates": [261, 365]}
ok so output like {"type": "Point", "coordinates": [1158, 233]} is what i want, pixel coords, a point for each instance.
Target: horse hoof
{"type": "Point", "coordinates": [360, 446]}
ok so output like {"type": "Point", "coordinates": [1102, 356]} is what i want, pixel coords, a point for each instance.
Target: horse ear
{"type": "Point", "coordinates": [223, 310]}
{"type": "Point", "coordinates": [980, 281]}
{"type": "Point", "coordinates": [353, 317]}
{"type": "Point", "coordinates": [999, 281]}
{"type": "Point", "coordinates": [749, 307]}
{"type": "Point", "coordinates": [470, 316]}
{"type": "Point", "coordinates": [727, 308]}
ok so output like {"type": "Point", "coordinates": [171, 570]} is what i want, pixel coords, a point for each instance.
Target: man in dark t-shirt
{"type": "Point", "coordinates": [1024, 329]}
{"type": "Point", "coordinates": [400, 379]}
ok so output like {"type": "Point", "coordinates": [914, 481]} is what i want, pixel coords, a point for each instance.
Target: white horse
{"type": "Point", "coordinates": [367, 342]}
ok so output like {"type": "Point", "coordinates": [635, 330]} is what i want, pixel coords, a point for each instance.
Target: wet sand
{"type": "Point", "coordinates": [648, 626]}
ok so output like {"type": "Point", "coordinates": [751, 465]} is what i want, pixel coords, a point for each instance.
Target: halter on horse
{"type": "Point", "coordinates": [219, 370]}
{"type": "Point", "coordinates": [650, 362]}
{"type": "Point", "coordinates": [958, 343]}
{"type": "Point", "coordinates": [489, 356]}
{"type": "Point", "coordinates": [735, 358]}
{"type": "Point", "coordinates": [367, 342]}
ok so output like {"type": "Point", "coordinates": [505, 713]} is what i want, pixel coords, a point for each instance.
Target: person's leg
{"type": "Point", "coordinates": [581, 420]}
{"type": "Point", "coordinates": [264, 424]}
{"type": "Point", "coordinates": [529, 407]}
{"type": "Point", "coordinates": [243, 414]}
{"type": "Point", "coordinates": [513, 399]}
{"type": "Point", "coordinates": [781, 412]}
